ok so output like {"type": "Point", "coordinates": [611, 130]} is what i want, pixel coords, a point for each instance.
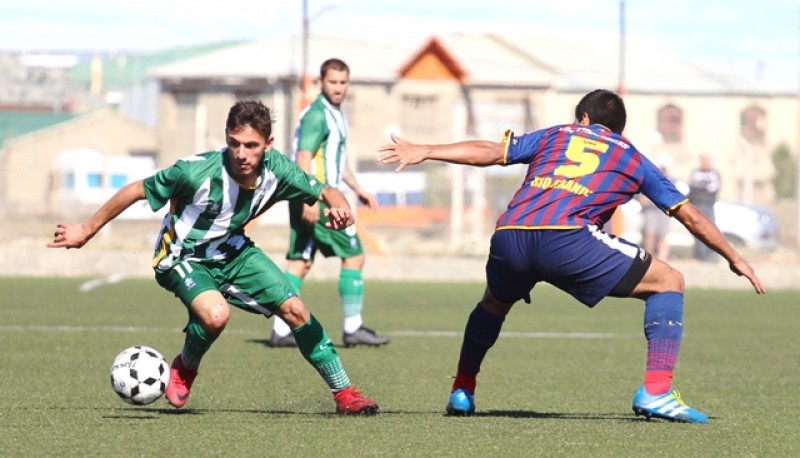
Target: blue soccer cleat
{"type": "Point", "coordinates": [461, 403]}
{"type": "Point", "coordinates": [668, 406]}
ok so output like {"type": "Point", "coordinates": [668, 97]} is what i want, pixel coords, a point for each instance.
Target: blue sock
{"type": "Point", "coordinates": [663, 327]}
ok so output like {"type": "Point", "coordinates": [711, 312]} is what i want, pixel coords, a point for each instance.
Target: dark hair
{"type": "Point", "coordinates": [603, 107]}
{"type": "Point", "coordinates": [333, 64]}
{"type": "Point", "coordinates": [251, 113]}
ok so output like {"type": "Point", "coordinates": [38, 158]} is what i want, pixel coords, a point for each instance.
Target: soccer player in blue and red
{"type": "Point", "coordinates": [552, 231]}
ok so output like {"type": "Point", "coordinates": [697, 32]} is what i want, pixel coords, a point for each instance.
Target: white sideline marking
{"type": "Point", "coordinates": [92, 284]}
{"type": "Point", "coordinates": [513, 334]}
{"type": "Point", "coordinates": [402, 333]}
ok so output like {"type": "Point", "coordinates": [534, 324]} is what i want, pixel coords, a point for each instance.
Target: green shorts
{"type": "Point", "coordinates": [305, 240]}
{"type": "Point", "coordinates": [251, 282]}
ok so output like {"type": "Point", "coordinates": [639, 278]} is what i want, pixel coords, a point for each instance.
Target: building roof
{"type": "Point", "coordinates": [581, 66]}
{"type": "Point", "coordinates": [15, 124]}
{"type": "Point", "coordinates": [120, 70]}
{"type": "Point", "coordinates": [566, 63]}
{"type": "Point", "coordinates": [281, 57]}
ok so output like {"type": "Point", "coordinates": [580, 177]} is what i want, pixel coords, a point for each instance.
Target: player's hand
{"type": "Point", "coordinates": [742, 268]}
{"type": "Point", "coordinates": [339, 218]}
{"type": "Point", "coordinates": [369, 200]}
{"type": "Point", "coordinates": [310, 214]}
{"type": "Point", "coordinates": [69, 236]}
{"type": "Point", "coordinates": [400, 152]}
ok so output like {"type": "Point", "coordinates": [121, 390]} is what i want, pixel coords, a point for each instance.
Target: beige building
{"type": "Point", "coordinates": [478, 85]}
{"type": "Point", "coordinates": [435, 90]}
{"type": "Point", "coordinates": [35, 170]}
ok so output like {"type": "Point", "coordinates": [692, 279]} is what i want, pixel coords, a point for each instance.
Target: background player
{"type": "Point", "coordinates": [319, 149]}
{"type": "Point", "coordinates": [553, 232]}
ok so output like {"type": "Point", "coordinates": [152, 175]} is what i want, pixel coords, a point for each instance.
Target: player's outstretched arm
{"type": "Point", "coordinates": [365, 197]}
{"type": "Point", "coordinates": [704, 229]}
{"type": "Point", "coordinates": [471, 152]}
{"type": "Point", "coordinates": [339, 213]}
{"type": "Point", "coordinates": [76, 235]}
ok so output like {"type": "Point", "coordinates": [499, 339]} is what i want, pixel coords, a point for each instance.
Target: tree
{"type": "Point", "coordinates": [785, 179]}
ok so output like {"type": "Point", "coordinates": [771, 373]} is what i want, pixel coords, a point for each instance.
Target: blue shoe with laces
{"type": "Point", "coordinates": [667, 406]}
{"type": "Point", "coordinates": [461, 403]}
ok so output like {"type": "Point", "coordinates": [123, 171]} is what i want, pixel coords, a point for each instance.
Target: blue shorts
{"type": "Point", "coordinates": [586, 263]}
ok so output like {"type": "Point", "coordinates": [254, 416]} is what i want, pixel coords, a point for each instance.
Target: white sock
{"type": "Point", "coordinates": [352, 323]}
{"type": "Point", "coordinates": [280, 327]}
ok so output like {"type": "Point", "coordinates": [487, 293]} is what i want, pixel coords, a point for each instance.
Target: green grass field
{"type": "Point", "coordinates": [558, 383]}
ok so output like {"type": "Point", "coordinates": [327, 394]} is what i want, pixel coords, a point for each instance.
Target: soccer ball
{"type": "Point", "coordinates": [139, 375]}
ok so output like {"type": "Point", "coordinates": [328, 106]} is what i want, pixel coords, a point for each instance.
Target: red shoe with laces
{"type": "Point", "coordinates": [180, 382]}
{"type": "Point", "coordinates": [349, 401]}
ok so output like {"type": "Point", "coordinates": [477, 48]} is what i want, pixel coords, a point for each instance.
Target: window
{"type": "Point", "coordinates": [753, 125]}
{"type": "Point", "coordinates": [419, 116]}
{"type": "Point", "coordinates": [494, 118]}
{"type": "Point", "coordinates": [246, 95]}
{"type": "Point", "coordinates": [68, 180]}
{"type": "Point", "coordinates": [670, 123]}
{"type": "Point", "coordinates": [386, 198]}
{"type": "Point", "coordinates": [187, 107]}
{"type": "Point", "coordinates": [349, 108]}
{"type": "Point", "coordinates": [118, 180]}
{"type": "Point", "coordinates": [94, 180]}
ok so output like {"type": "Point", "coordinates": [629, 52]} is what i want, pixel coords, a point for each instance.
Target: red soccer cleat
{"type": "Point", "coordinates": [180, 382]}
{"type": "Point", "coordinates": [349, 401]}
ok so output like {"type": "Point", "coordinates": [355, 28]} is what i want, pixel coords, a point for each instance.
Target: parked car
{"type": "Point", "coordinates": [745, 226]}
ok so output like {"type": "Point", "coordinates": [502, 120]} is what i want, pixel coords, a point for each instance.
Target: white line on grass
{"type": "Point", "coordinates": [401, 333]}
{"type": "Point", "coordinates": [513, 334]}
{"type": "Point", "coordinates": [97, 282]}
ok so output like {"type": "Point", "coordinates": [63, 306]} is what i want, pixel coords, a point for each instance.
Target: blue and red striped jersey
{"type": "Point", "coordinates": [577, 176]}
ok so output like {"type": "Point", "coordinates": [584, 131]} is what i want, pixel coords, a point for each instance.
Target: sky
{"type": "Point", "coordinates": [758, 39]}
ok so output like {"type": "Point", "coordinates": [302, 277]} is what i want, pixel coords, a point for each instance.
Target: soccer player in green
{"type": "Point", "coordinates": [205, 259]}
{"type": "Point", "coordinates": [319, 149]}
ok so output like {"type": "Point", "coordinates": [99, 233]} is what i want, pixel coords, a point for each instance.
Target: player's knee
{"type": "Point", "coordinates": [299, 267]}
{"type": "Point", "coordinates": [680, 284]}
{"type": "Point", "coordinates": [493, 305]}
{"type": "Point", "coordinates": [672, 280]}
{"type": "Point", "coordinates": [294, 312]}
{"type": "Point", "coordinates": [354, 263]}
{"type": "Point", "coordinates": [217, 317]}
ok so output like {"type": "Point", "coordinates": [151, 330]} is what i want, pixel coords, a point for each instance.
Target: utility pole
{"type": "Point", "coordinates": [617, 221]}
{"type": "Point", "coordinates": [621, 76]}
{"type": "Point", "coordinates": [304, 62]}
{"type": "Point", "coordinates": [797, 145]}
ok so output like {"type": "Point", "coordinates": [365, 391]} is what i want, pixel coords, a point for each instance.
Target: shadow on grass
{"type": "Point", "coordinates": [154, 413]}
{"type": "Point", "coordinates": [339, 346]}
{"type": "Point", "coordinates": [525, 414]}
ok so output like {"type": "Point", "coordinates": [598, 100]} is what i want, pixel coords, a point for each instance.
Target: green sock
{"type": "Point", "coordinates": [351, 291]}
{"type": "Point", "coordinates": [196, 343]}
{"type": "Point", "coordinates": [317, 348]}
{"type": "Point", "coordinates": [296, 282]}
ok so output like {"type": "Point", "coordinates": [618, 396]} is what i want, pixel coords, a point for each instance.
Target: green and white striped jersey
{"type": "Point", "coordinates": [209, 210]}
{"type": "Point", "coordinates": [322, 130]}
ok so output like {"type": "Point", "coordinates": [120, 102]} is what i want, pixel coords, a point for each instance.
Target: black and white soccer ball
{"type": "Point", "coordinates": [139, 375]}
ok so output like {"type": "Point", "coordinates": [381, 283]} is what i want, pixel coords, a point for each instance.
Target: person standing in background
{"type": "Point", "coordinates": [655, 223]}
{"type": "Point", "coordinates": [319, 149]}
{"type": "Point", "coordinates": [704, 184]}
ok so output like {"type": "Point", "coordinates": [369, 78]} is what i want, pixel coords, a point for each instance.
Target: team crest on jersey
{"type": "Point", "coordinates": [215, 208]}
{"type": "Point", "coordinates": [189, 283]}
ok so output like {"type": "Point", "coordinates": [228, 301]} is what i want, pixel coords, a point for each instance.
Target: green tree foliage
{"type": "Point", "coordinates": [785, 178]}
